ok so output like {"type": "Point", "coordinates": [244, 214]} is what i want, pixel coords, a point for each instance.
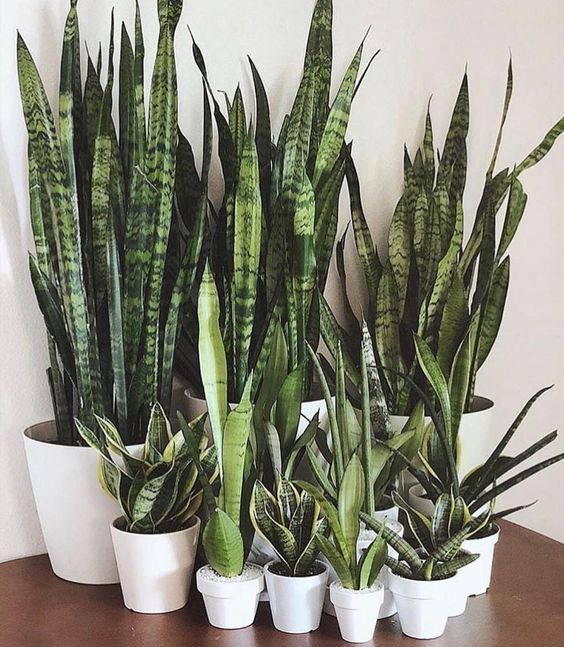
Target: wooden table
{"type": "Point", "coordinates": [524, 608]}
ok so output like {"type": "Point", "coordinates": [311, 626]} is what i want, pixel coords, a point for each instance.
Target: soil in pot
{"type": "Point", "coordinates": [296, 602]}
{"type": "Point", "coordinates": [231, 602]}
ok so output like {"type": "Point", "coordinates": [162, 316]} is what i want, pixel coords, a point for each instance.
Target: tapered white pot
{"type": "Point", "coordinates": [459, 594]}
{"type": "Point", "coordinates": [423, 607]}
{"type": "Point", "coordinates": [296, 602]}
{"type": "Point", "coordinates": [357, 611]}
{"type": "Point", "coordinates": [155, 571]}
{"type": "Point", "coordinates": [478, 574]}
{"type": "Point", "coordinates": [74, 512]}
{"type": "Point", "coordinates": [476, 442]}
{"type": "Point", "coordinates": [231, 602]}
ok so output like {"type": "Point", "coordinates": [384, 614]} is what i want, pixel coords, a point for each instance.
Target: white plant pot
{"type": "Point", "coordinates": [419, 501]}
{"type": "Point", "coordinates": [74, 512]}
{"type": "Point", "coordinates": [387, 514]}
{"type": "Point", "coordinates": [231, 602]}
{"type": "Point", "coordinates": [423, 607]}
{"type": "Point", "coordinates": [155, 571]}
{"type": "Point", "coordinates": [357, 611]}
{"type": "Point", "coordinates": [478, 574]}
{"type": "Point", "coordinates": [296, 602]}
{"type": "Point", "coordinates": [476, 441]}
{"type": "Point", "coordinates": [261, 553]}
{"type": "Point", "coordinates": [459, 594]}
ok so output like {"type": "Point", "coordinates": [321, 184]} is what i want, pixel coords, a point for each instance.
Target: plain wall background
{"type": "Point", "coordinates": [425, 47]}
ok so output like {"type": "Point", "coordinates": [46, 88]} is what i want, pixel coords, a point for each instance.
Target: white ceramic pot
{"type": "Point", "coordinates": [419, 501]}
{"type": "Point", "coordinates": [476, 440]}
{"type": "Point", "coordinates": [231, 602]}
{"type": "Point", "coordinates": [423, 607]}
{"type": "Point", "coordinates": [296, 602]}
{"type": "Point", "coordinates": [155, 571]}
{"type": "Point", "coordinates": [459, 594]}
{"type": "Point", "coordinates": [478, 574]}
{"type": "Point", "coordinates": [390, 513]}
{"type": "Point", "coordinates": [74, 512]}
{"type": "Point", "coordinates": [357, 611]}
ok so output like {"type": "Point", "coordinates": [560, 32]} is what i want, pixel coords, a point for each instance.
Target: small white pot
{"type": "Point", "coordinates": [357, 611]}
{"type": "Point", "coordinates": [74, 512]}
{"type": "Point", "coordinates": [296, 602]}
{"type": "Point", "coordinates": [478, 574]}
{"type": "Point", "coordinates": [423, 607]}
{"type": "Point", "coordinates": [476, 439]}
{"type": "Point", "coordinates": [231, 602]}
{"type": "Point", "coordinates": [155, 571]}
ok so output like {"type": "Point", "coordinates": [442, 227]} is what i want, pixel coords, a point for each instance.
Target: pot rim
{"type": "Point", "coordinates": [481, 404]}
{"type": "Point", "coordinates": [195, 523]}
{"type": "Point", "coordinates": [342, 590]}
{"type": "Point", "coordinates": [213, 587]}
{"type": "Point", "coordinates": [434, 588]}
{"type": "Point", "coordinates": [267, 566]}
{"type": "Point", "coordinates": [492, 537]}
{"type": "Point", "coordinates": [316, 390]}
{"type": "Point", "coordinates": [53, 444]}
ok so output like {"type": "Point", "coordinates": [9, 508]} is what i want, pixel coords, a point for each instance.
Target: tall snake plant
{"type": "Point", "coordinates": [111, 270]}
{"type": "Point", "coordinates": [274, 233]}
{"type": "Point", "coordinates": [450, 292]}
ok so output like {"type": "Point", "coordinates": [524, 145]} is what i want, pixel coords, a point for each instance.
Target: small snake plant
{"type": "Point", "coordinates": [157, 490]}
{"type": "Point", "coordinates": [438, 554]}
{"type": "Point", "coordinates": [289, 521]}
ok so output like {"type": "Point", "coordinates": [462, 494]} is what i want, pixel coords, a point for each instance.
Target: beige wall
{"type": "Point", "coordinates": [425, 47]}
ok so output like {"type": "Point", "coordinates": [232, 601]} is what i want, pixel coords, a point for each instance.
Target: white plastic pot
{"type": "Point", "coordinates": [390, 513]}
{"type": "Point", "coordinates": [74, 512]}
{"type": "Point", "coordinates": [459, 594]}
{"type": "Point", "coordinates": [231, 602]}
{"type": "Point", "coordinates": [296, 602]}
{"type": "Point", "coordinates": [423, 607]}
{"type": "Point", "coordinates": [476, 442]}
{"type": "Point", "coordinates": [478, 574]}
{"type": "Point", "coordinates": [155, 571]}
{"type": "Point", "coordinates": [357, 611]}
{"type": "Point", "coordinates": [419, 501]}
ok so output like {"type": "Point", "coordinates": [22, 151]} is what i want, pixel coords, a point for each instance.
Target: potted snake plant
{"type": "Point", "coordinates": [276, 226]}
{"type": "Point", "coordinates": [230, 587]}
{"type": "Point", "coordinates": [356, 593]}
{"type": "Point", "coordinates": [101, 210]}
{"type": "Point", "coordinates": [158, 491]}
{"type": "Point", "coordinates": [433, 282]}
{"type": "Point", "coordinates": [289, 521]}
{"type": "Point", "coordinates": [426, 581]}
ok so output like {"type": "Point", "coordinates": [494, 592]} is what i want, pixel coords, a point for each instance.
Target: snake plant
{"type": "Point", "coordinates": [109, 272]}
{"type": "Point", "coordinates": [482, 485]}
{"type": "Point", "coordinates": [430, 282]}
{"type": "Point", "coordinates": [354, 572]}
{"type": "Point", "coordinates": [438, 554]}
{"type": "Point", "coordinates": [157, 490]}
{"type": "Point", "coordinates": [382, 453]}
{"type": "Point", "coordinates": [289, 521]}
{"type": "Point", "coordinates": [223, 536]}
{"type": "Point", "coordinates": [274, 232]}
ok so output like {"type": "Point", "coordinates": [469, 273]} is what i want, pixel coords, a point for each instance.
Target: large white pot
{"type": "Point", "coordinates": [74, 512]}
{"type": "Point", "coordinates": [296, 602]}
{"type": "Point", "coordinates": [155, 571]}
{"type": "Point", "coordinates": [231, 602]}
{"type": "Point", "coordinates": [423, 607]}
{"type": "Point", "coordinates": [476, 441]}
{"type": "Point", "coordinates": [357, 611]}
{"type": "Point", "coordinates": [478, 574]}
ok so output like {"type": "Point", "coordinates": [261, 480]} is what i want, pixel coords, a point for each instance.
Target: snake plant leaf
{"type": "Point", "coordinates": [371, 563]}
{"type": "Point", "coordinates": [154, 497]}
{"type": "Point", "coordinates": [214, 369]}
{"type": "Point", "coordinates": [275, 373]}
{"type": "Point", "coordinates": [459, 382]}
{"type": "Point", "coordinates": [126, 101]}
{"type": "Point", "coordinates": [542, 149]}
{"type": "Point", "coordinates": [421, 224]}
{"type": "Point", "coordinates": [340, 406]}
{"type": "Point", "coordinates": [158, 434]}
{"type": "Point", "coordinates": [289, 501]}
{"type": "Point", "coordinates": [237, 125]}
{"type": "Point", "coordinates": [447, 569]}
{"type": "Point", "coordinates": [161, 162]}
{"type": "Point", "coordinates": [429, 151]}
{"type": "Point", "coordinates": [300, 447]}
{"type": "Point", "coordinates": [45, 148]}
{"type": "Point", "coordinates": [515, 209]}
{"type": "Point", "coordinates": [441, 519]}
{"type": "Point", "coordinates": [459, 516]}
{"type": "Point", "coordinates": [235, 438]}
{"type": "Point", "coordinates": [350, 500]}
{"type": "Point", "coordinates": [332, 334]}
{"type": "Point", "coordinates": [506, 103]}
{"type": "Point", "coordinates": [453, 323]}
{"type": "Point", "coordinates": [91, 104]}
{"type": "Point", "coordinates": [458, 130]}
{"type": "Point", "coordinates": [387, 327]}
{"type": "Point", "coordinates": [320, 475]}
{"type": "Point", "coordinates": [337, 122]}
{"type": "Point", "coordinates": [288, 408]}
{"type": "Point", "coordinates": [304, 517]}
{"type": "Point", "coordinates": [272, 441]}
{"type": "Point", "coordinates": [336, 560]}
{"type": "Point", "coordinates": [247, 245]}
{"type": "Point", "coordinates": [223, 544]}
{"type": "Point", "coordinates": [379, 415]}
{"type": "Point", "coordinates": [420, 525]}
{"type": "Point", "coordinates": [263, 137]}
{"type": "Point", "coordinates": [367, 251]}
{"type": "Point", "coordinates": [399, 250]}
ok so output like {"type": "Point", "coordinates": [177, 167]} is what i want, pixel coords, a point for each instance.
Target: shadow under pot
{"type": "Point", "coordinates": [423, 606]}
{"type": "Point", "coordinates": [155, 570]}
{"type": "Point", "coordinates": [231, 602]}
{"type": "Point", "coordinates": [74, 512]}
{"type": "Point", "coordinates": [296, 603]}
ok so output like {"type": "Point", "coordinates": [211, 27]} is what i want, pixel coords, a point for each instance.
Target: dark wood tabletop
{"type": "Point", "coordinates": [524, 608]}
